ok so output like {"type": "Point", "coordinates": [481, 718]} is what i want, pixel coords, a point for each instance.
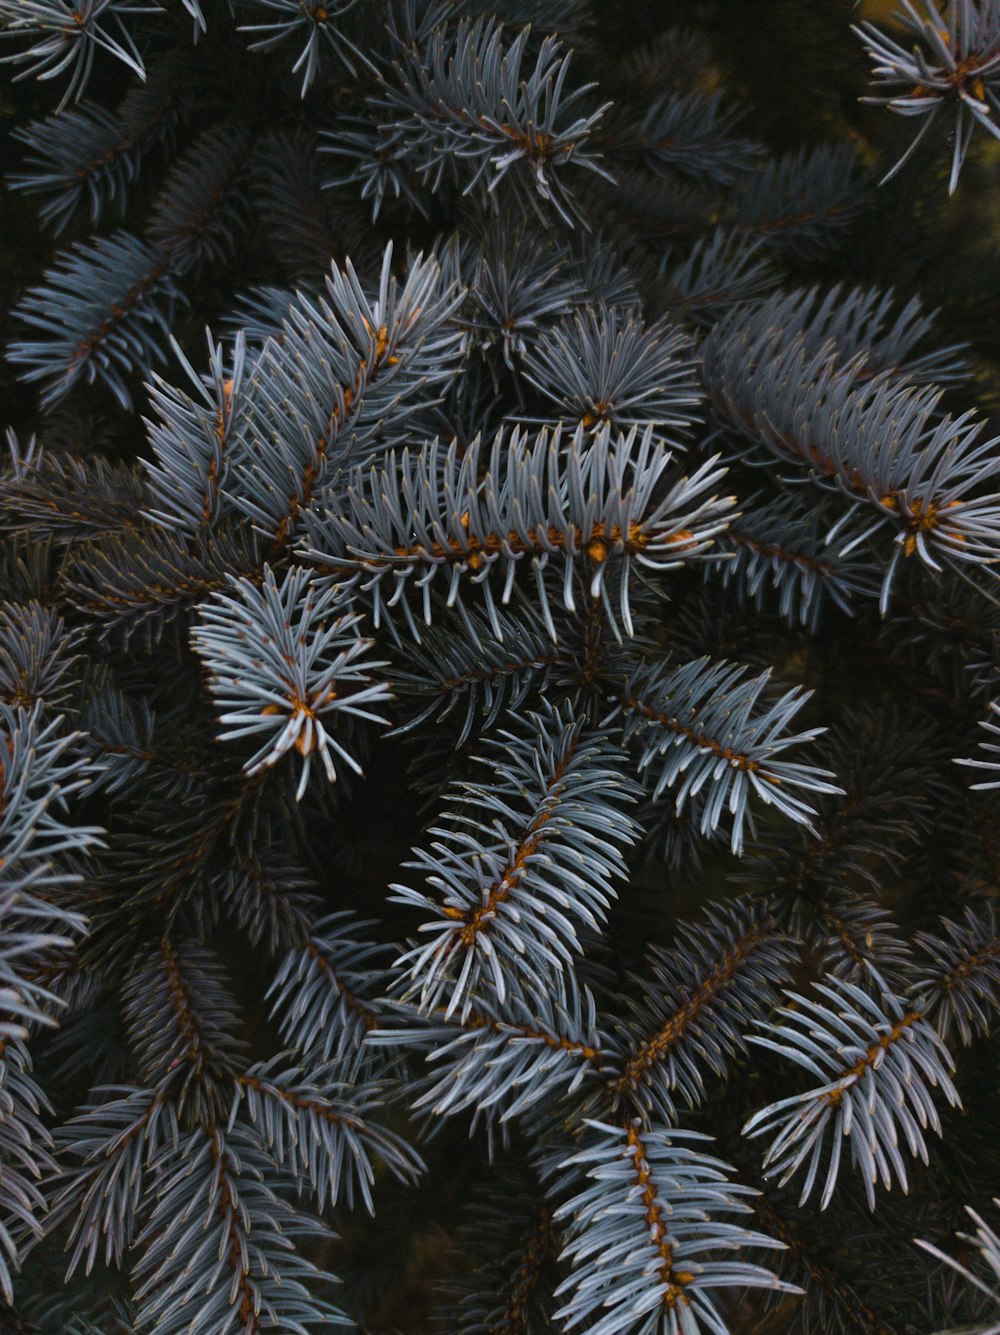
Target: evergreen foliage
{"type": "Point", "coordinates": [499, 533]}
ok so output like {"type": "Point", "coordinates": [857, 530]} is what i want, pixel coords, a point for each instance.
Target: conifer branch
{"type": "Point", "coordinates": [183, 1028]}
{"type": "Point", "coordinates": [192, 439]}
{"type": "Point", "coordinates": [712, 724]}
{"type": "Point", "coordinates": [954, 62]}
{"type": "Point", "coordinates": [68, 34]}
{"type": "Point", "coordinates": [468, 106]}
{"type": "Point", "coordinates": [309, 673]}
{"type": "Point", "coordinates": [66, 499]}
{"type": "Point", "coordinates": [99, 310]}
{"type": "Point", "coordinates": [501, 1063]}
{"type": "Point", "coordinates": [81, 155]}
{"type": "Point", "coordinates": [25, 1147]}
{"type": "Point", "coordinates": [605, 367]}
{"type": "Point", "coordinates": [105, 1153]}
{"type": "Point", "coordinates": [800, 201]}
{"type": "Point", "coordinates": [214, 1206]}
{"type": "Point", "coordinates": [322, 1129]}
{"type": "Point", "coordinates": [958, 981]}
{"type": "Point", "coordinates": [315, 20]}
{"type": "Point", "coordinates": [885, 1090]}
{"type": "Point", "coordinates": [651, 1253]}
{"type": "Point", "coordinates": [140, 581]}
{"type": "Point", "coordinates": [524, 865]}
{"type": "Point", "coordinates": [487, 676]}
{"type": "Point", "coordinates": [324, 992]}
{"type": "Point", "coordinates": [463, 515]}
{"type": "Point", "coordinates": [698, 999]}
{"type": "Point", "coordinates": [879, 442]}
{"type": "Point", "coordinates": [337, 360]}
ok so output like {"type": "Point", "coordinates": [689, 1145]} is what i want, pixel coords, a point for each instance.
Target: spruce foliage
{"type": "Point", "coordinates": [499, 675]}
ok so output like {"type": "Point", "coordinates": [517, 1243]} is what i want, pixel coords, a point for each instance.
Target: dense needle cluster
{"type": "Point", "coordinates": [499, 561]}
